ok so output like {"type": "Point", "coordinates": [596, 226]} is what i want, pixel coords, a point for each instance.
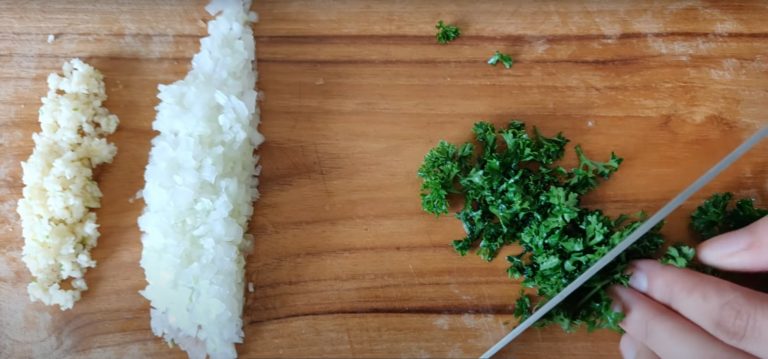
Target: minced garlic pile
{"type": "Point", "coordinates": [58, 228]}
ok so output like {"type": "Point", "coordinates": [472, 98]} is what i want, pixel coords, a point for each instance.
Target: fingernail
{"type": "Point", "coordinates": [616, 306]}
{"type": "Point", "coordinates": [638, 280]}
{"type": "Point", "coordinates": [723, 247]}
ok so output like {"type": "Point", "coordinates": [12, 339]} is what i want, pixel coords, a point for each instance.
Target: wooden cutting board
{"type": "Point", "coordinates": [356, 92]}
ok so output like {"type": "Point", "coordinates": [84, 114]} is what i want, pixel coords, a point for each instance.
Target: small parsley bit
{"type": "Point", "coordinates": [679, 256]}
{"type": "Point", "coordinates": [505, 59]}
{"type": "Point", "coordinates": [446, 33]}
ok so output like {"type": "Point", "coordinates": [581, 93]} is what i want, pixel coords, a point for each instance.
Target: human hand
{"type": "Point", "coordinates": [678, 313]}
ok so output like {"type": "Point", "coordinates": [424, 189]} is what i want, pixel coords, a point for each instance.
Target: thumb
{"type": "Point", "coordinates": [743, 250]}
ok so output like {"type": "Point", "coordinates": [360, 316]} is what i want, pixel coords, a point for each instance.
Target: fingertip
{"type": "Point", "coordinates": [718, 249]}
{"type": "Point", "coordinates": [640, 270]}
{"type": "Point", "coordinates": [656, 328]}
{"type": "Point", "coordinates": [742, 249]}
{"type": "Point", "coordinates": [622, 295]}
{"type": "Point", "coordinates": [614, 291]}
{"type": "Point", "coordinates": [641, 264]}
{"type": "Point", "coordinates": [628, 347]}
{"type": "Point", "coordinates": [632, 348]}
{"type": "Point", "coordinates": [616, 304]}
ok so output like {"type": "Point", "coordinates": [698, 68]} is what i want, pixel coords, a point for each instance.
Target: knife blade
{"type": "Point", "coordinates": [631, 239]}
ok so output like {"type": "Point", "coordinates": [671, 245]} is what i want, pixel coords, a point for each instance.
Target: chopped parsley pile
{"type": "Point", "coordinates": [514, 192]}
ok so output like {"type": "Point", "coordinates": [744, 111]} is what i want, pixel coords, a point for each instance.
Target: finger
{"type": "Point", "coordinates": [633, 349]}
{"type": "Point", "coordinates": [665, 332]}
{"type": "Point", "coordinates": [740, 250]}
{"type": "Point", "coordinates": [733, 314]}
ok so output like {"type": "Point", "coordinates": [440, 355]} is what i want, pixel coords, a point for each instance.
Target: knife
{"type": "Point", "coordinates": [631, 239]}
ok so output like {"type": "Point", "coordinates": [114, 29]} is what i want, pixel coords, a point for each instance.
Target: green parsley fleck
{"type": "Point", "coordinates": [505, 59]}
{"type": "Point", "coordinates": [679, 256]}
{"type": "Point", "coordinates": [446, 33]}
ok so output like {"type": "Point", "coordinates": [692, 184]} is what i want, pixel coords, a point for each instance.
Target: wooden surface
{"type": "Point", "coordinates": [356, 92]}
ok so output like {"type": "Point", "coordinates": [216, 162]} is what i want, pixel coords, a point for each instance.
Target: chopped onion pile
{"type": "Point", "coordinates": [200, 185]}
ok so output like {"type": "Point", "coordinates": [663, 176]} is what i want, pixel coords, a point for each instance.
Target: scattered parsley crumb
{"type": "Point", "coordinates": [678, 255]}
{"type": "Point", "coordinates": [446, 32]}
{"type": "Point", "coordinates": [505, 59]}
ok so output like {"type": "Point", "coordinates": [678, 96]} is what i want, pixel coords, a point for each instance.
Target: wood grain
{"type": "Point", "coordinates": [346, 264]}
